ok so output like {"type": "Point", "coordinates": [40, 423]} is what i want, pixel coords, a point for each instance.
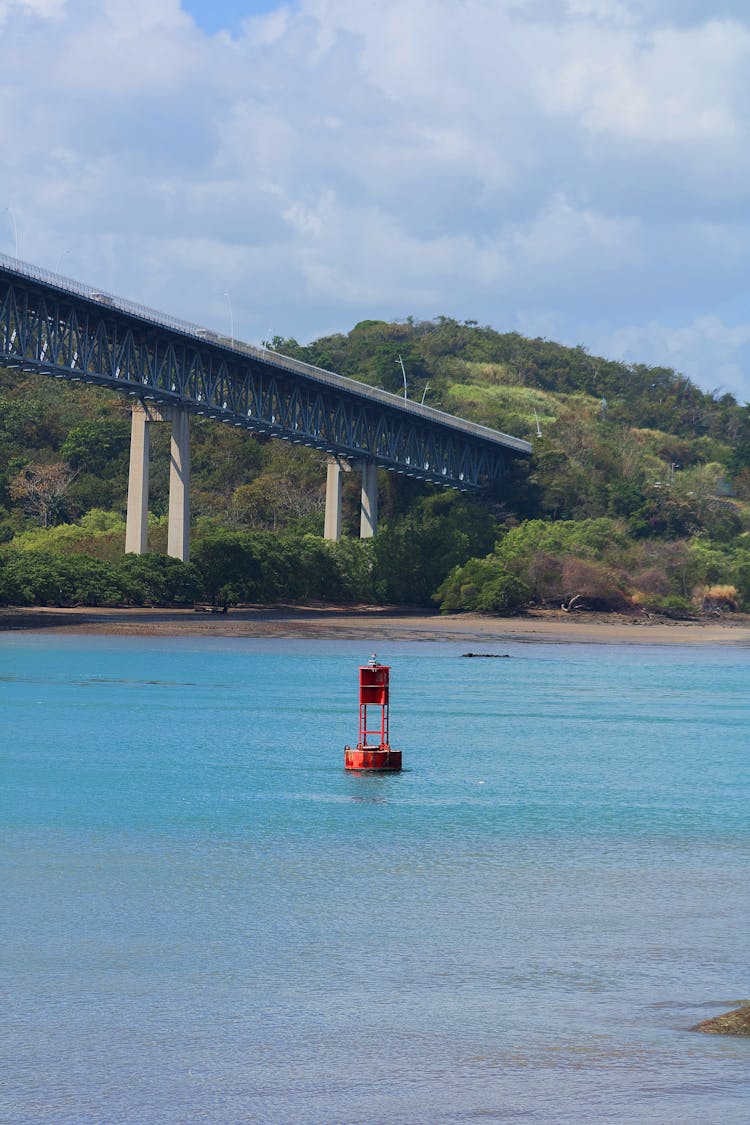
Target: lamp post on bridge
{"type": "Point", "coordinates": [15, 226]}
{"type": "Point", "coordinates": [231, 316]}
{"type": "Point", "coordinates": [403, 373]}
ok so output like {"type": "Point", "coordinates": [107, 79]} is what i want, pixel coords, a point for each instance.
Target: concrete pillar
{"type": "Point", "coordinates": [178, 531]}
{"type": "Point", "coordinates": [136, 526]}
{"type": "Point", "coordinates": [332, 526]}
{"type": "Point", "coordinates": [368, 517]}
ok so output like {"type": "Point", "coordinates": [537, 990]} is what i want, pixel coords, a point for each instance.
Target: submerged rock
{"type": "Point", "coordinates": [736, 1022]}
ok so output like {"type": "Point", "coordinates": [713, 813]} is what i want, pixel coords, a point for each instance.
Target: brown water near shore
{"type": "Point", "coordinates": [388, 623]}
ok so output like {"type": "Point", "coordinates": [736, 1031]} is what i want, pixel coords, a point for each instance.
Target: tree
{"type": "Point", "coordinates": [41, 488]}
{"type": "Point", "coordinates": [272, 501]}
{"type": "Point", "coordinates": [97, 445]}
{"type": "Point", "coordinates": [413, 555]}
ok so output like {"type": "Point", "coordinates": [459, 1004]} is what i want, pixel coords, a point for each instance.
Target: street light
{"type": "Point", "coordinates": [60, 257]}
{"type": "Point", "coordinates": [403, 372]}
{"type": "Point", "coordinates": [15, 226]}
{"type": "Point", "coordinates": [231, 317]}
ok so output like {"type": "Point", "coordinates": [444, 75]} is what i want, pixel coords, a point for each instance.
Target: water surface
{"type": "Point", "coordinates": [206, 919]}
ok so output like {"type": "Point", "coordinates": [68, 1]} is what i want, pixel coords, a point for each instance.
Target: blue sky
{"type": "Point", "coordinates": [575, 169]}
{"type": "Point", "coordinates": [225, 15]}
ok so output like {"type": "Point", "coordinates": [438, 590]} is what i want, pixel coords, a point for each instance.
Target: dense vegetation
{"type": "Point", "coordinates": [637, 496]}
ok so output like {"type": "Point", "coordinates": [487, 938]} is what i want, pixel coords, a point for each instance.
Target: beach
{"type": "Point", "coordinates": [383, 623]}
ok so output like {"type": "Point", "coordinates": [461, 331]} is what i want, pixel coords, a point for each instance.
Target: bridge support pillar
{"type": "Point", "coordinates": [136, 528]}
{"type": "Point", "coordinates": [332, 525]}
{"type": "Point", "coordinates": [178, 532]}
{"type": "Point", "coordinates": [368, 518]}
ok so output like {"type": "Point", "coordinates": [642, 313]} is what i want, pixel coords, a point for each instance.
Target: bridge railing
{"type": "Point", "coordinates": [107, 300]}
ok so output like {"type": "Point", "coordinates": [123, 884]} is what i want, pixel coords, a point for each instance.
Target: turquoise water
{"type": "Point", "coordinates": [206, 920]}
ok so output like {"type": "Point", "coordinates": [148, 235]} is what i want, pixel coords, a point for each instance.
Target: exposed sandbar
{"type": "Point", "coordinates": [477, 632]}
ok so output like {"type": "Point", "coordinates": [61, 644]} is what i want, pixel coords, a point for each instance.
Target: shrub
{"type": "Point", "coordinates": [672, 605]}
{"type": "Point", "coordinates": [482, 585]}
{"type": "Point", "coordinates": [591, 584]}
{"type": "Point", "coordinates": [715, 599]}
{"type": "Point", "coordinates": [40, 578]}
{"type": "Point", "coordinates": [158, 580]}
{"type": "Point", "coordinates": [258, 566]}
{"type": "Point", "coordinates": [505, 594]}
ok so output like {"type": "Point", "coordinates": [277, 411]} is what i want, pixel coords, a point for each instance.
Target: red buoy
{"type": "Point", "coordinates": [373, 751]}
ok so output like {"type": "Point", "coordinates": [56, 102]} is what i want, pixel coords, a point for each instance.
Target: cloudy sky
{"type": "Point", "coordinates": [576, 169]}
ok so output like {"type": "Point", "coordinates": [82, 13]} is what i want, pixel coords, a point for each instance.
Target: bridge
{"type": "Point", "coordinates": [59, 327]}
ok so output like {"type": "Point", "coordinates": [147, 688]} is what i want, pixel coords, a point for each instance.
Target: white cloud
{"type": "Point", "coordinates": [573, 167]}
{"type": "Point", "coordinates": [42, 9]}
{"type": "Point", "coordinates": [671, 85]}
{"type": "Point", "coordinates": [267, 29]}
{"type": "Point", "coordinates": [609, 10]}
{"type": "Point", "coordinates": [715, 353]}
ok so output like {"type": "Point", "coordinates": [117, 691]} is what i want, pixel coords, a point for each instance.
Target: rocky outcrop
{"type": "Point", "coordinates": [736, 1022]}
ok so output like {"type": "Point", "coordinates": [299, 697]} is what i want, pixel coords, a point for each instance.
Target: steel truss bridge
{"type": "Point", "coordinates": [59, 327]}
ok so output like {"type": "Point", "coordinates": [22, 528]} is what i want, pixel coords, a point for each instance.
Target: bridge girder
{"type": "Point", "coordinates": [45, 328]}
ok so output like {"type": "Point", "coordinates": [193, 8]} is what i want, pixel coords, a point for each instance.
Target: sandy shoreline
{"type": "Point", "coordinates": [381, 624]}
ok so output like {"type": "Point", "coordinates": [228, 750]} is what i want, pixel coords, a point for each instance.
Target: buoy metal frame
{"type": "Point", "coordinates": [373, 753]}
